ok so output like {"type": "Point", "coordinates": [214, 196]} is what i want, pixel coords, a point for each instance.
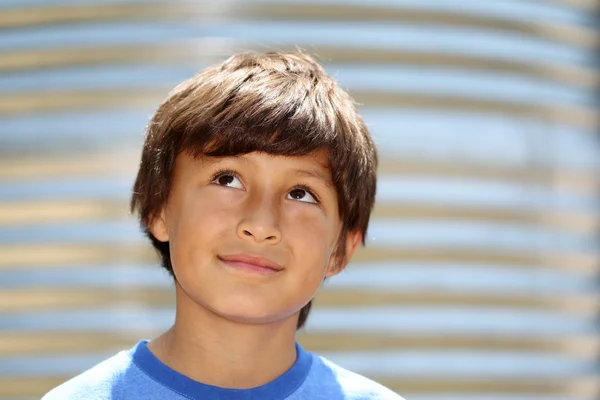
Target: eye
{"type": "Point", "coordinates": [228, 179]}
{"type": "Point", "coordinates": [302, 194]}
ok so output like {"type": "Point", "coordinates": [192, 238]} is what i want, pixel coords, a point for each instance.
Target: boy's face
{"type": "Point", "coordinates": [226, 215]}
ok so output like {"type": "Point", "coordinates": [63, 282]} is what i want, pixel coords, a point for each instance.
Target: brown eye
{"type": "Point", "coordinates": [228, 179]}
{"type": "Point", "coordinates": [301, 195]}
{"type": "Point", "coordinates": [297, 194]}
{"type": "Point", "coordinates": [225, 179]}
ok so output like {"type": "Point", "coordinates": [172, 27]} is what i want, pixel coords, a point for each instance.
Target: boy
{"type": "Point", "coordinates": [256, 183]}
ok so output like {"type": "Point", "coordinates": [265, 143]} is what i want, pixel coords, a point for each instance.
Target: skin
{"type": "Point", "coordinates": [235, 328]}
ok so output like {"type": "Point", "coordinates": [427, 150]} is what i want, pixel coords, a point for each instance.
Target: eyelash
{"type": "Point", "coordinates": [223, 172]}
{"type": "Point", "coordinates": [307, 190]}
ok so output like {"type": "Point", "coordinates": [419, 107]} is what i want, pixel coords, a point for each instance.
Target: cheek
{"type": "Point", "coordinates": [311, 233]}
{"type": "Point", "coordinates": [202, 217]}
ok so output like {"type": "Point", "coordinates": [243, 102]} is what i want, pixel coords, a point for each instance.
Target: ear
{"type": "Point", "coordinates": [338, 264]}
{"type": "Point", "coordinates": [158, 226]}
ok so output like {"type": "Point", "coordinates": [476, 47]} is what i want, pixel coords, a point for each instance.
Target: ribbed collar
{"type": "Point", "coordinates": [278, 389]}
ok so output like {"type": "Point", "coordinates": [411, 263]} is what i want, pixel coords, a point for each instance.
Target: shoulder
{"type": "Point", "coordinates": [96, 383]}
{"type": "Point", "coordinates": [350, 385]}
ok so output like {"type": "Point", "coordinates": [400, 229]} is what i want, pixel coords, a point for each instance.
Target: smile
{"type": "Point", "coordinates": [252, 264]}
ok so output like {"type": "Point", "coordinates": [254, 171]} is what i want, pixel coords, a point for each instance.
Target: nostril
{"type": "Point", "coordinates": [247, 233]}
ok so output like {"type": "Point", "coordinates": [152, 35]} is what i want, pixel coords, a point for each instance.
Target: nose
{"type": "Point", "coordinates": [260, 222]}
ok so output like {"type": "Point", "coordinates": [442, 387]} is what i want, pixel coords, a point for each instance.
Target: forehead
{"type": "Point", "coordinates": [315, 164]}
{"type": "Point", "coordinates": [317, 159]}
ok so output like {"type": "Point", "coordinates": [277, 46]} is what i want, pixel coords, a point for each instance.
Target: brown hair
{"type": "Point", "coordinates": [278, 103]}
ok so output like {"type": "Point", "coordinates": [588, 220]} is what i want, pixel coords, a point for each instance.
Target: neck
{"type": "Point", "coordinates": [216, 351]}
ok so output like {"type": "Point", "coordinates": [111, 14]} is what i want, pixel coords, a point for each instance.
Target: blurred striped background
{"type": "Point", "coordinates": [480, 278]}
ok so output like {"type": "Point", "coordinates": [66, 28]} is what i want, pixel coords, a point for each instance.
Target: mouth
{"type": "Point", "coordinates": [250, 263]}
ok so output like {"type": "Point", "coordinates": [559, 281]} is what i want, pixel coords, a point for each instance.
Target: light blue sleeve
{"type": "Point", "coordinates": [328, 381]}
{"type": "Point", "coordinates": [116, 378]}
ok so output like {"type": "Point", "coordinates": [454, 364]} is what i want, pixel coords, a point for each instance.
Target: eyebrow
{"type": "Point", "coordinates": [315, 174]}
{"type": "Point", "coordinates": [211, 160]}
{"type": "Point", "coordinates": [309, 173]}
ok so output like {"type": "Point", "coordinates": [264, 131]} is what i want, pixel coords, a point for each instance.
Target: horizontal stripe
{"type": "Point", "coordinates": [392, 319]}
{"type": "Point", "coordinates": [35, 16]}
{"type": "Point", "coordinates": [56, 342]}
{"type": "Point", "coordinates": [86, 210]}
{"type": "Point", "coordinates": [20, 255]}
{"type": "Point", "coordinates": [209, 50]}
{"type": "Point", "coordinates": [124, 164]}
{"type": "Point", "coordinates": [387, 276]}
{"type": "Point", "coordinates": [35, 102]}
{"type": "Point", "coordinates": [406, 363]}
{"type": "Point", "coordinates": [580, 386]}
{"type": "Point", "coordinates": [36, 300]}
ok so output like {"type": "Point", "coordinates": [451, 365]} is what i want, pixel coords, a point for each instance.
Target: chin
{"type": "Point", "coordinates": [248, 318]}
{"type": "Point", "coordinates": [253, 314]}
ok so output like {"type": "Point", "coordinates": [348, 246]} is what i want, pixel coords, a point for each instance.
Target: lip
{"type": "Point", "coordinates": [251, 263]}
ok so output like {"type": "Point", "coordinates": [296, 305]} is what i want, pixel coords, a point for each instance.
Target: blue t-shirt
{"type": "Point", "coordinates": [137, 374]}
